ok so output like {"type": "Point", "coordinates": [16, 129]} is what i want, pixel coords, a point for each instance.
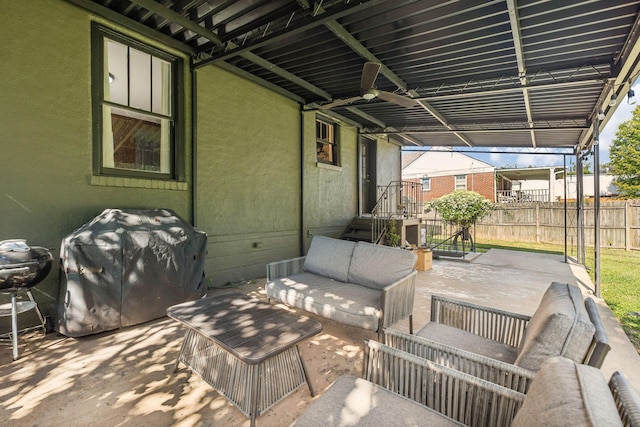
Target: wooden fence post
{"type": "Point", "coordinates": [628, 217]}
{"type": "Point", "coordinates": [537, 223]}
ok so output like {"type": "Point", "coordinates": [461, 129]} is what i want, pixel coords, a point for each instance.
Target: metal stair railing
{"type": "Point", "coordinates": [399, 199]}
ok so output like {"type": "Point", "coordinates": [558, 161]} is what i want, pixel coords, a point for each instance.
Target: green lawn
{"type": "Point", "coordinates": [620, 279]}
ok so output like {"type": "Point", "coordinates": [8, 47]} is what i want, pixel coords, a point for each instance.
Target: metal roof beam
{"type": "Point", "coordinates": [514, 20]}
{"type": "Point", "coordinates": [169, 14]}
{"type": "Point", "coordinates": [462, 95]}
{"type": "Point", "coordinates": [209, 35]}
{"type": "Point", "coordinates": [443, 121]}
{"type": "Point", "coordinates": [626, 68]}
{"type": "Point", "coordinates": [456, 131]}
{"type": "Point", "coordinates": [410, 139]}
{"type": "Point", "coordinates": [340, 32]}
{"type": "Point", "coordinates": [366, 116]}
{"type": "Point", "coordinates": [372, 119]}
{"type": "Point", "coordinates": [340, 117]}
{"type": "Point", "coordinates": [139, 28]}
{"type": "Point", "coordinates": [336, 13]}
{"type": "Point", "coordinates": [250, 56]}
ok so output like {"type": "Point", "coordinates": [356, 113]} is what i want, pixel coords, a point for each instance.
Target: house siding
{"type": "Point", "coordinates": [248, 183]}
{"type": "Point", "coordinates": [442, 166]}
{"type": "Point", "coordinates": [258, 192]}
{"type": "Point", "coordinates": [328, 194]}
{"type": "Point", "coordinates": [48, 188]}
{"type": "Point", "coordinates": [483, 183]}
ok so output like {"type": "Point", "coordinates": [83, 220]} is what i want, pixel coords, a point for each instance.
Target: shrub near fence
{"type": "Point", "coordinates": [544, 223]}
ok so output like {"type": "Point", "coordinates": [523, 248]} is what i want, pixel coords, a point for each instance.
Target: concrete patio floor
{"type": "Point", "coordinates": [125, 377]}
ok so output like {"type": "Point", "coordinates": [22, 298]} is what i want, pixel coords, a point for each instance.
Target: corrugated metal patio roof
{"type": "Point", "coordinates": [503, 73]}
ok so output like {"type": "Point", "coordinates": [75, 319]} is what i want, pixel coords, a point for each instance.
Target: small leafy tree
{"type": "Point", "coordinates": [393, 238]}
{"type": "Point", "coordinates": [624, 155]}
{"type": "Point", "coordinates": [461, 207]}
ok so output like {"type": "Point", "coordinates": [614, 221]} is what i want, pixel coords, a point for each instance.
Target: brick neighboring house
{"type": "Point", "coordinates": [443, 171]}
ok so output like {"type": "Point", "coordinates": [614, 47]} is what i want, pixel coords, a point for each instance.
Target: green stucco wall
{"type": "Point", "coordinates": [388, 162]}
{"type": "Point", "coordinates": [46, 134]}
{"type": "Point", "coordinates": [259, 193]}
{"type": "Point", "coordinates": [330, 193]}
{"type": "Point", "coordinates": [248, 175]}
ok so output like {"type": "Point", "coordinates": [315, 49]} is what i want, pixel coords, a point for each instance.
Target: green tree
{"type": "Point", "coordinates": [393, 238]}
{"type": "Point", "coordinates": [624, 157]}
{"type": "Point", "coordinates": [573, 169]}
{"type": "Point", "coordinates": [461, 207]}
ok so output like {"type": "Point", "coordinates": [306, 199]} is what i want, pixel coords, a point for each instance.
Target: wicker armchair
{"type": "Point", "coordinates": [486, 368]}
{"type": "Point", "coordinates": [561, 326]}
{"type": "Point", "coordinates": [456, 395]}
{"type": "Point", "coordinates": [399, 388]}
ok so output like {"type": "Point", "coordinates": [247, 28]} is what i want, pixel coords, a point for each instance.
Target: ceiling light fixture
{"type": "Point", "coordinates": [614, 100]}
{"type": "Point", "coordinates": [370, 94]}
{"type": "Point", "coordinates": [111, 78]}
{"type": "Point", "coordinates": [601, 115]}
{"type": "Point", "coordinates": [631, 97]}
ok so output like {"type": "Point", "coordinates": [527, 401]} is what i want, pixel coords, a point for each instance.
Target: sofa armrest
{"type": "Point", "coordinates": [498, 325]}
{"type": "Point", "coordinates": [599, 347]}
{"type": "Point", "coordinates": [462, 397]}
{"type": "Point", "coordinates": [492, 370]}
{"type": "Point", "coordinates": [284, 268]}
{"type": "Point", "coordinates": [397, 300]}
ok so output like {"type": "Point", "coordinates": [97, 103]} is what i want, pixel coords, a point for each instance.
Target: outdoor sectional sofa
{"type": "Point", "coordinates": [353, 283]}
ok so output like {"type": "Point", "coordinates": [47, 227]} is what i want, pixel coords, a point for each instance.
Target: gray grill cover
{"type": "Point", "coordinates": [126, 267]}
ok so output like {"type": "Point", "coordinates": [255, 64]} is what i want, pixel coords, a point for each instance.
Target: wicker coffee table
{"type": "Point", "coordinates": [244, 348]}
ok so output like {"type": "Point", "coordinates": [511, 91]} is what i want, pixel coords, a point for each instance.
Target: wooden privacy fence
{"type": "Point", "coordinates": [544, 222]}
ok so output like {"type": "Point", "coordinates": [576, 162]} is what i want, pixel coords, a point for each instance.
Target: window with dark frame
{"type": "Point", "coordinates": [326, 142]}
{"type": "Point", "coordinates": [134, 108]}
{"type": "Point", "coordinates": [426, 183]}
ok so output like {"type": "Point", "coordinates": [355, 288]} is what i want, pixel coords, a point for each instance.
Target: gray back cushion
{"type": "Point", "coordinates": [376, 266]}
{"type": "Point", "coordinates": [565, 393]}
{"type": "Point", "coordinates": [559, 327]}
{"type": "Point", "coordinates": [329, 257]}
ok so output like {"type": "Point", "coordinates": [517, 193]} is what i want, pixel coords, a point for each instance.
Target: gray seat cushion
{"type": "Point", "coordinates": [329, 257]}
{"type": "Point", "coordinates": [343, 302]}
{"type": "Point", "coordinates": [376, 266]}
{"type": "Point", "coordinates": [565, 393]}
{"type": "Point", "coordinates": [464, 340]}
{"type": "Point", "coordinates": [351, 401]}
{"type": "Point", "coordinates": [559, 327]}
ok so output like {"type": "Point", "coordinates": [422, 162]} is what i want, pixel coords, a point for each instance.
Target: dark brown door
{"type": "Point", "coordinates": [368, 174]}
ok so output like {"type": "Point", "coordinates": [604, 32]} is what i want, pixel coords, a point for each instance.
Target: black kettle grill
{"type": "Point", "coordinates": [21, 267]}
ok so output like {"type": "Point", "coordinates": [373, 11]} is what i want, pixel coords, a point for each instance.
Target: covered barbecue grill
{"type": "Point", "coordinates": [125, 267]}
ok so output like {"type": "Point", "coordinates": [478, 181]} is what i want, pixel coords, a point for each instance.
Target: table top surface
{"type": "Point", "coordinates": [248, 328]}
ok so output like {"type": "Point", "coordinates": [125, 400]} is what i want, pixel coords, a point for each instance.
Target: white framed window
{"type": "Point", "coordinates": [326, 142]}
{"type": "Point", "coordinates": [426, 183]}
{"type": "Point", "coordinates": [460, 182]}
{"type": "Point", "coordinates": [135, 108]}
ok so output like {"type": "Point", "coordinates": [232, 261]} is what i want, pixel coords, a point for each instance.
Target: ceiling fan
{"type": "Point", "coordinates": [368, 91]}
